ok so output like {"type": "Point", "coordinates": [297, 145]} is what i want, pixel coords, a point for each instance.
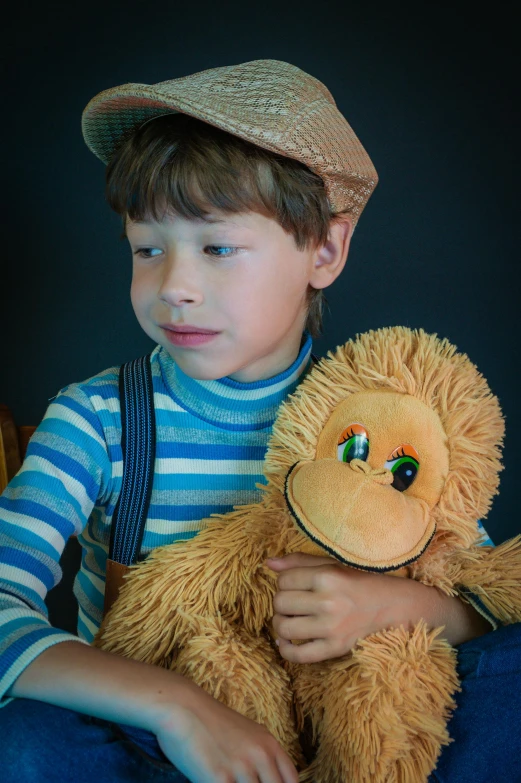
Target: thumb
{"type": "Point", "coordinates": [298, 560]}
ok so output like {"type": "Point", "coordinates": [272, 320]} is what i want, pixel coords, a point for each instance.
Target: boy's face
{"type": "Point", "coordinates": [241, 277]}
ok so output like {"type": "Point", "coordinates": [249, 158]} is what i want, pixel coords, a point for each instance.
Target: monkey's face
{"type": "Point", "coordinates": [380, 467]}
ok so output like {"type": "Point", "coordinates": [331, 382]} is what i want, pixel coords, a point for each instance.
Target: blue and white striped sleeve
{"type": "Point", "coordinates": [65, 470]}
{"type": "Point", "coordinates": [473, 599]}
{"type": "Point", "coordinates": [485, 538]}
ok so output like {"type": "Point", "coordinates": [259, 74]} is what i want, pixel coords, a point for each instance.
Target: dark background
{"type": "Point", "coordinates": [432, 96]}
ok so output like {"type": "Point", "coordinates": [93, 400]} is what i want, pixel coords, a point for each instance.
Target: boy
{"type": "Point", "coordinates": [256, 161]}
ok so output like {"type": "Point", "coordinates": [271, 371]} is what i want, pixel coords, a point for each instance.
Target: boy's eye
{"type": "Point", "coordinates": [144, 252]}
{"type": "Point", "coordinates": [404, 464]}
{"type": "Point", "coordinates": [230, 250]}
{"type": "Point", "coordinates": [353, 443]}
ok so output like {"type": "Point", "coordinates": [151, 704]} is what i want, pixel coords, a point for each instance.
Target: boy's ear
{"type": "Point", "coordinates": [330, 258]}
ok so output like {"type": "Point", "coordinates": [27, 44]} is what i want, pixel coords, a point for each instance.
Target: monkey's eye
{"type": "Point", "coordinates": [353, 443]}
{"type": "Point", "coordinates": [404, 464]}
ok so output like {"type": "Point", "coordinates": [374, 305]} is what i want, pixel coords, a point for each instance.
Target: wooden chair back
{"type": "Point", "coordinates": [13, 445]}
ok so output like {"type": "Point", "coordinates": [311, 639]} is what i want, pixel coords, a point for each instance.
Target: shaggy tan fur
{"type": "Point", "coordinates": [396, 688]}
{"type": "Point", "coordinates": [203, 607]}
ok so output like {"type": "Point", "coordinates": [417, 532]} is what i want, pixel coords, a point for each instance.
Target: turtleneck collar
{"type": "Point", "coordinates": [230, 404]}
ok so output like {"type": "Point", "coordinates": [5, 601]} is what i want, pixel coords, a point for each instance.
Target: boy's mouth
{"type": "Point", "coordinates": [187, 336]}
{"type": "Point", "coordinates": [187, 329]}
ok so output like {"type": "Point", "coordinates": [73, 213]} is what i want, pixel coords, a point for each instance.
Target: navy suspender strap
{"type": "Point", "coordinates": [138, 445]}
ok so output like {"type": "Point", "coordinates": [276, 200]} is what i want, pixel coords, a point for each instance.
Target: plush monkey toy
{"type": "Point", "coordinates": [384, 457]}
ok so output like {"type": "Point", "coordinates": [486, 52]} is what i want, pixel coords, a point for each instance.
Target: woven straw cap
{"type": "Point", "coordinates": [270, 103]}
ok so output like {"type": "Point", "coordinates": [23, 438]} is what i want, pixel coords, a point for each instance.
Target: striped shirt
{"type": "Point", "coordinates": [211, 439]}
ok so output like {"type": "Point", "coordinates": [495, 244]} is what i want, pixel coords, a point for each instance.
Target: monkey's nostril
{"type": "Point", "coordinates": [359, 466]}
{"type": "Point", "coordinates": [382, 476]}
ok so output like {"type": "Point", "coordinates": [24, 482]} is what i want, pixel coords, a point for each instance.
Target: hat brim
{"type": "Point", "coordinates": [113, 115]}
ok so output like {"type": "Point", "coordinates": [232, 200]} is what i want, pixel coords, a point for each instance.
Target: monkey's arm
{"type": "Point", "coordinates": [494, 575]}
{"type": "Point", "coordinates": [220, 571]}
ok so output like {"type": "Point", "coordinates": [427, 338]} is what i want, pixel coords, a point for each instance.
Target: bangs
{"type": "Point", "coordinates": [178, 165]}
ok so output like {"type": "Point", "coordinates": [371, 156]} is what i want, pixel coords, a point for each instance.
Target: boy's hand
{"type": "Point", "coordinates": [329, 606]}
{"type": "Point", "coordinates": [207, 741]}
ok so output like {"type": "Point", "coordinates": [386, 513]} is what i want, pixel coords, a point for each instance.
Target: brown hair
{"type": "Point", "coordinates": [190, 165]}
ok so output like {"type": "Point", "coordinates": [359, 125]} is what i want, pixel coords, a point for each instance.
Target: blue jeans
{"type": "Point", "coordinates": [486, 726]}
{"type": "Point", "coordinates": [40, 743]}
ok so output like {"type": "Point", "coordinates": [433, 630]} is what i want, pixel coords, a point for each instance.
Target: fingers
{"type": "Point", "coordinates": [298, 560]}
{"type": "Point", "coordinates": [296, 602]}
{"type": "Point", "coordinates": [299, 571]}
{"type": "Point", "coordinates": [286, 768]}
{"type": "Point", "coordinates": [299, 627]}
{"type": "Point", "coordinates": [266, 767]}
{"type": "Point", "coordinates": [297, 579]}
{"type": "Point", "coordinates": [242, 775]}
{"type": "Point", "coordinates": [270, 771]}
{"type": "Point", "coordinates": [300, 579]}
{"type": "Point", "coordinates": [311, 652]}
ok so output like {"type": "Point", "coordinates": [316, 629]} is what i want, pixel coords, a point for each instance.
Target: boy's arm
{"type": "Point", "coordinates": [79, 677]}
{"type": "Point", "coordinates": [66, 469]}
{"type": "Point", "coordinates": [202, 737]}
{"type": "Point", "coordinates": [334, 606]}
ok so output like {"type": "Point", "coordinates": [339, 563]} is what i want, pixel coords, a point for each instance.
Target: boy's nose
{"type": "Point", "coordinates": [174, 297]}
{"type": "Point", "coordinates": [179, 286]}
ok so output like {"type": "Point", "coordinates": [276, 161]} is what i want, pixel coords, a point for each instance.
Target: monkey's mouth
{"type": "Point", "coordinates": [362, 524]}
